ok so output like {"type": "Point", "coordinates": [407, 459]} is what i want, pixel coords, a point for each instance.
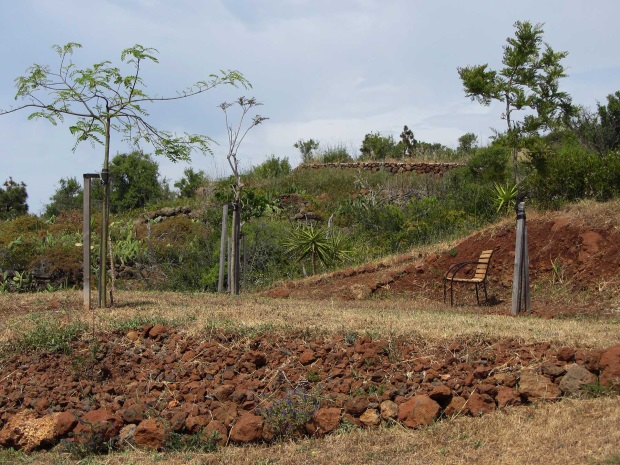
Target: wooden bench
{"type": "Point", "coordinates": [479, 277]}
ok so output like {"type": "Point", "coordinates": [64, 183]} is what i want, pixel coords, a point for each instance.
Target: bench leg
{"type": "Point", "coordinates": [486, 298]}
{"type": "Point", "coordinates": [477, 298]}
{"type": "Point", "coordinates": [451, 293]}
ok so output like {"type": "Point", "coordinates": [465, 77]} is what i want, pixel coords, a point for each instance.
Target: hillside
{"type": "Point", "coordinates": [577, 249]}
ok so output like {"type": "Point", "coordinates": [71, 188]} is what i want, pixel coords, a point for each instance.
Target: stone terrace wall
{"type": "Point", "coordinates": [391, 167]}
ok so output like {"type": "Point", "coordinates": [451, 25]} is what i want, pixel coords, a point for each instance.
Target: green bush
{"type": "Point", "coordinates": [335, 154]}
{"type": "Point", "coordinates": [573, 172]}
{"type": "Point", "coordinates": [271, 168]}
{"type": "Point", "coordinates": [490, 164]}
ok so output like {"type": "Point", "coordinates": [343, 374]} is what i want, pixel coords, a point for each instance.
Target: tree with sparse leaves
{"type": "Point", "coordinates": [101, 100]}
{"type": "Point", "coordinates": [236, 133]}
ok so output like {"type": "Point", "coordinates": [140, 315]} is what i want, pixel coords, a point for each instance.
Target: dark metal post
{"type": "Point", "coordinates": [86, 239]}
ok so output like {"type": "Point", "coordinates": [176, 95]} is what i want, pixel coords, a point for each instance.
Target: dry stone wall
{"type": "Point", "coordinates": [392, 167]}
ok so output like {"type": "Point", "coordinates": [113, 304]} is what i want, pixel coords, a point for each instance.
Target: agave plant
{"type": "Point", "coordinates": [318, 244]}
{"type": "Point", "coordinates": [506, 197]}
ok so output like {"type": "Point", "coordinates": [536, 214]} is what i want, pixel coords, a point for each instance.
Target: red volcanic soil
{"type": "Point", "coordinates": [574, 269]}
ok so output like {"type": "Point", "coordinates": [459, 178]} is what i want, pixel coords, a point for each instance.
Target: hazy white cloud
{"type": "Point", "coordinates": [328, 70]}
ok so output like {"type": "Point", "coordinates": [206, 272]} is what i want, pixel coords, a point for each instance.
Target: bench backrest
{"type": "Point", "coordinates": [483, 264]}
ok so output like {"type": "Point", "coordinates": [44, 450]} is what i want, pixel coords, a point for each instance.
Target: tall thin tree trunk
{"type": "Point", "coordinates": [105, 221]}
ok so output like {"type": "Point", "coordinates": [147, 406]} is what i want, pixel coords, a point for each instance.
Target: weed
{"type": "Point", "coordinates": [287, 417]}
{"type": "Point", "coordinates": [196, 442]}
{"type": "Point", "coordinates": [345, 427]}
{"type": "Point", "coordinates": [10, 456]}
{"type": "Point", "coordinates": [557, 270]}
{"type": "Point", "coordinates": [98, 439]}
{"type": "Point", "coordinates": [313, 377]}
{"type": "Point", "coordinates": [350, 336]}
{"type": "Point", "coordinates": [613, 459]}
{"type": "Point", "coordinates": [369, 362]}
{"type": "Point", "coordinates": [598, 390]}
{"type": "Point", "coordinates": [45, 333]}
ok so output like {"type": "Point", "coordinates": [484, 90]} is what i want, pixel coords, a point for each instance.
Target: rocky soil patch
{"type": "Point", "coordinates": [147, 386]}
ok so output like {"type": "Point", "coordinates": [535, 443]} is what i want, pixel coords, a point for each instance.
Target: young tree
{"type": "Point", "coordinates": [378, 147]}
{"type": "Point", "coordinates": [236, 134]}
{"type": "Point", "coordinates": [307, 149]}
{"type": "Point", "coordinates": [467, 142]}
{"type": "Point", "coordinates": [102, 100]}
{"type": "Point", "coordinates": [13, 199]}
{"type": "Point", "coordinates": [529, 80]}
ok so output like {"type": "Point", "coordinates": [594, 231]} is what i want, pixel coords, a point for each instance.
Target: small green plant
{"type": "Point", "coordinates": [287, 417]}
{"type": "Point", "coordinates": [313, 376]}
{"type": "Point", "coordinates": [97, 439]}
{"type": "Point", "coordinates": [505, 198]}
{"type": "Point", "coordinates": [196, 442]}
{"type": "Point", "coordinates": [12, 456]}
{"type": "Point", "coordinates": [557, 270]}
{"type": "Point", "coordinates": [44, 333]}
{"type": "Point", "coordinates": [350, 336]}
{"type": "Point", "coordinates": [345, 427]}
{"type": "Point", "coordinates": [598, 390]}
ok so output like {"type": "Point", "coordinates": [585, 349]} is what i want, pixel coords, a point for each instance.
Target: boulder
{"type": "Point", "coordinates": [248, 428]}
{"type": "Point", "coordinates": [535, 387]}
{"type": "Point", "coordinates": [389, 410]}
{"type": "Point", "coordinates": [455, 407]}
{"type": "Point", "coordinates": [216, 431]}
{"type": "Point", "coordinates": [325, 420]}
{"type": "Point", "coordinates": [102, 423]}
{"type": "Point", "coordinates": [26, 432]}
{"type": "Point", "coordinates": [371, 417]}
{"type": "Point", "coordinates": [506, 396]}
{"type": "Point", "coordinates": [150, 434]}
{"type": "Point", "coordinates": [479, 404]}
{"type": "Point", "coordinates": [575, 379]}
{"type": "Point", "coordinates": [610, 367]}
{"type": "Point", "coordinates": [418, 411]}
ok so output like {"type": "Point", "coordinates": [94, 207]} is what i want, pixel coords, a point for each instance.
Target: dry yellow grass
{"type": "Point", "coordinates": [427, 320]}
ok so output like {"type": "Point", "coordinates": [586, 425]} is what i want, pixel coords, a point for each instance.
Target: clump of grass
{"type": "Point", "coordinates": [96, 440]}
{"type": "Point", "coordinates": [44, 333]}
{"type": "Point", "coordinates": [196, 442]}
{"type": "Point", "coordinates": [598, 390]}
{"type": "Point", "coordinates": [138, 321]}
{"type": "Point", "coordinates": [10, 455]}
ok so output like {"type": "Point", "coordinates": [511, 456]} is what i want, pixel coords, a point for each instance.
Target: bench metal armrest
{"type": "Point", "coordinates": [454, 269]}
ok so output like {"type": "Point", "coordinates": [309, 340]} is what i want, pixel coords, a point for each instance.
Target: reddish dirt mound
{"type": "Point", "coordinates": [565, 255]}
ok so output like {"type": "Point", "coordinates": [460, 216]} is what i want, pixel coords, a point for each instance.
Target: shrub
{"type": "Point", "coordinates": [287, 417]}
{"type": "Point", "coordinates": [572, 172]}
{"type": "Point", "coordinates": [271, 168]}
{"type": "Point", "coordinates": [335, 154]}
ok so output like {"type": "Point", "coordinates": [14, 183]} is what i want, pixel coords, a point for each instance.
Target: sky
{"type": "Point", "coordinates": [328, 70]}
